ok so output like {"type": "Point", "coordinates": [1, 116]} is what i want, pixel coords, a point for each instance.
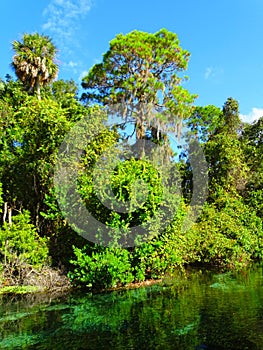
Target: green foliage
{"type": "Point", "coordinates": [20, 243]}
{"type": "Point", "coordinates": [12, 93]}
{"type": "Point", "coordinates": [166, 252]}
{"type": "Point", "coordinates": [139, 72]}
{"type": "Point", "coordinates": [102, 267]}
{"type": "Point", "coordinates": [229, 232]}
{"type": "Point", "coordinates": [227, 167]}
{"type": "Point", "coordinates": [107, 267]}
{"type": "Point", "coordinates": [231, 120]}
{"type": "Point", "coordinates": [139, 80]}
{"type": "Point", "coordinates": [136, 185]}
{"type": "Point", "coordinates": [254, 199]}
{"type": "Point", "coordinates": [30, 135]}
{"type": "Point", "coordinates": [252, 144]}
{"type": "Point", "coordinates": [18, 290]}
{"type": "Point", "coordinates": [203, 122]}
{"type": "Point", "coordinates": [1, 197]}
{"type": "Point", "coordinates": [34, 61]}
{"type": "Point", "coordinates": [224, 153]}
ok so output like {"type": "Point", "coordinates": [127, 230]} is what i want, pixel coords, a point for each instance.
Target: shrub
{"type": "Point", "coordinates": [104, 268]}
{"type": "Point", "coordinates": [20, 242]}
{"type": "Point", "coordinates": [230, 232]}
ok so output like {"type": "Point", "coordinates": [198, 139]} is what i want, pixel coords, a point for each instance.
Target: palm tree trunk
{"type": "Point", "coordinates": [38, 88]}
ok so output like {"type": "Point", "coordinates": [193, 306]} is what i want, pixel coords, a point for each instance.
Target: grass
{"type": "Point", "coordinates": [19, 289]}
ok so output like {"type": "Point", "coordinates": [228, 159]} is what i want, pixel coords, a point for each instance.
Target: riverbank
{"type": "Point", "coordinates": [31, 280]}
{"type": "Point", "coordinates": [55, 282]}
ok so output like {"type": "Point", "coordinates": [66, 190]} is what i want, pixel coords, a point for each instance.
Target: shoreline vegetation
{"type": "Point", "coordinates": [53, 282]}
{"type": "Point", "coordinates": [43, 122]}
{"type": "Point", "coordinates": [44, 280]}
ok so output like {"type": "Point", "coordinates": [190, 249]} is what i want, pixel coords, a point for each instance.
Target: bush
{"type": "Point", "coordinates": [227, 234]}
{"type": "Point", "coordinates": [21, 246]}
{"type": "Point", "coordinates": [165, 252]}
{"type": "Point", "coordinates": [104, 268]}
{"type": "Point", "coordinates": [230, 233]}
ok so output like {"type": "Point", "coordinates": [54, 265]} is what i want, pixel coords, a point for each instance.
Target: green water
{"type": "Point", "coordinates": [204, 311]}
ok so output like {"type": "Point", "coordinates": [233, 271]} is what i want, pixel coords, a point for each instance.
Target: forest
{"type": "Point", "coordinates": [212, 167]}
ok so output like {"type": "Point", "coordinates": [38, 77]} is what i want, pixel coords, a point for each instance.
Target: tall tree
{"type": "Point", "coordinates": [227, 166]}
{"type": "Point", "coordinates": [203, 122]}
{"type": "Point", "coordinates": [141, 73]}
{"type": "Point", "coordinates": [34, 61]}
{"type": "Point", "coordinates": [231, 120]}
{"type": "Point", "coordinates": [252, 141]}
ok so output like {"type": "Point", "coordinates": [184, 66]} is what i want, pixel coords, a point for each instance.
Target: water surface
{"type": "Point", "coordinates": [203, 311]}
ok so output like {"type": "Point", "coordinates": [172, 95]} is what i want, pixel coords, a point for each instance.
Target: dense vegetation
{"type": "Point", "coordinates": [140, 80]}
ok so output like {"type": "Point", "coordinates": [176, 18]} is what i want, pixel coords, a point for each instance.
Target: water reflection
{"type": "Point", "coordinates": [203, 311]}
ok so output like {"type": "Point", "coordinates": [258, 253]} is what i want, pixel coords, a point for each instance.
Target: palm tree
{"type": "Point", "coordinates": [34, 61]}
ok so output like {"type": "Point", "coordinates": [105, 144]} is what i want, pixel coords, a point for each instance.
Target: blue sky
{"type": "Point", "coordinates": [224, 39]}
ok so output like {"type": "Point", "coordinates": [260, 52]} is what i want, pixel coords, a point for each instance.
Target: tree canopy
{"type": "Point", "coordinates": [141, 73]}
{"type": "Point", "coordinates": [34, 61]}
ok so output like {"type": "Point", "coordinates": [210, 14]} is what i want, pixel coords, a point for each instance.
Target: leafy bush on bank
{"type": "Point", "coordinates": [228, 234]}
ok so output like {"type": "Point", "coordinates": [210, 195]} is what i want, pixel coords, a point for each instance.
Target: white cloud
{"type": "Point", "coordinates": [255, 114]}
{"type": "Point", "coordinates": [62, 17]}
{"type": "Point", "coordinates": [71, 64]}
{"type": "Point", "coordinates": [208, 72]}
{"type": "Point", "coordinates": [62, 21]}
{"type": "Point", "coordinates": [213, 73]}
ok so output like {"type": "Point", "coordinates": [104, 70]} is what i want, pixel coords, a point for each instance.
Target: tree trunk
{"type": "Point", "coordinates": [10, 216]}
{"type": "Point", "coordinates": [5, 212]}
{"type": "Point", "coordinates": [38, 88]}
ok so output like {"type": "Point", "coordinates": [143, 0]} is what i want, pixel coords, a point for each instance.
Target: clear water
{"type": "Point", "coordinates": [204, 311]}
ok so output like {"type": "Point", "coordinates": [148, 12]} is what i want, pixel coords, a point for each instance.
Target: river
{"type": "Point", "coordinates": [205, 310]}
